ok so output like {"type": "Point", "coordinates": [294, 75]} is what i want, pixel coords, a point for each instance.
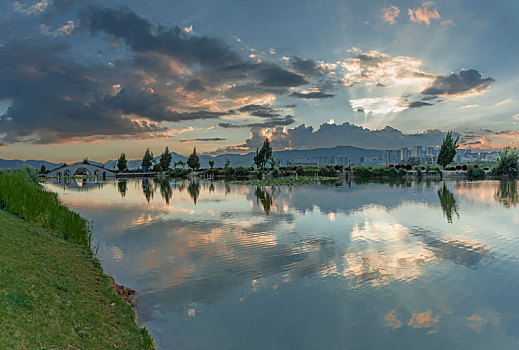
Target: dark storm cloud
{"type": "Point", "coordinates": [272, 123]}
{"type": "Point", "coordinates": [152, 106]}
{"type": "Point", "coordinates": [140, 35]}
{"type": "Point", "coordinates": [52, 98]}
{"type": "Point", "coordinates": [157, 75]}
{"type": "Point", "coordinates": [311, 95]}
{"type": "Point", "coordinates": [49, 95]}
{"type": "Point", "coordinates": [466, 81]}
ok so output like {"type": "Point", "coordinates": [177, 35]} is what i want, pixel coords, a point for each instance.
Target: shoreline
{"type": "Point", "coordinates": [54, 292]}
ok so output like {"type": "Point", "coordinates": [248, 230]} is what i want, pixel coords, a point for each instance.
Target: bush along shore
{"type": "Point", "coordinates": [505, 166]}
{"type": "Point", "coordinates": [53, 292]}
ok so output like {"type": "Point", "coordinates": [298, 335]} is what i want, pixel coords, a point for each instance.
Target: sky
{"type": "Point", "coordinates": [97, 78]}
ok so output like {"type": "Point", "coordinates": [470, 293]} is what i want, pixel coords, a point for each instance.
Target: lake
{"type": "Point", "coordinates": [402, 265]}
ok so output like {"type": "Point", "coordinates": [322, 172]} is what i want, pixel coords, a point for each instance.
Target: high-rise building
{"type": "Point", "coordinates": [417, 152]}
{"type": "Point", "coordinates": [403, 154]}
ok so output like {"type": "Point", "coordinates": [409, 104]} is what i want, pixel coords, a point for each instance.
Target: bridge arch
{"type": "Point", "coordinates": [71, 170]}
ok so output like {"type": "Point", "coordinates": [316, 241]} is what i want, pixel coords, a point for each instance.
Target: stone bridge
{"type": "Point", "coordinates": [71, 170]}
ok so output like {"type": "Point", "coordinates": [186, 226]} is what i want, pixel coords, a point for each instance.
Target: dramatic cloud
{"type": "Point", "coordinates": [424, 13]}
{"type": "Point", "coordinates": [139, 34]}
{"type": "Point", "coordinates": [389, 14]}
{"type": "Point", "coordinates": [167, 75]}
{"type": "Point", "coordinates": [331, 135]}
{"type": "Point", "coordinates": [374, 68]}
{"type": "Point", "coordinates": [467, 81]}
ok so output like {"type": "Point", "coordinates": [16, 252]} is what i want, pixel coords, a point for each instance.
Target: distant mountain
{"type": "Point", "coordinates": [18, 164]}
{"type": "Point", "coordinates": [353, 153]}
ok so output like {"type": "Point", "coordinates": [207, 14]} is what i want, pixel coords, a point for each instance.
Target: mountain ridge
{"type": "Point", "coordinates": [352, 152]}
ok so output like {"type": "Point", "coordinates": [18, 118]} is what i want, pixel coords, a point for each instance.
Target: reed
{"type": "Point", "coordinates": [21, 195]}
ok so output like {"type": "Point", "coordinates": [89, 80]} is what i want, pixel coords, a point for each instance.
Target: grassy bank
{"type": "Point", "coordinates": [53, 292]}
{"type": "Point", "coordinates": [21, 195]}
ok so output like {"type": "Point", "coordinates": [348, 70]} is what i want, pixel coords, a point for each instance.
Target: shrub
{"type": "Point", "coordinates": [228, 171]}
{"type": "Point", "coordinates": [241, 172]}
{"type": "Point", "coordinates": [328, 172]}
{"type": "Point", "coordinates": [363, 171]}
{"type": "Point", "coordinates": [464, 167]}
{"type": "Point", "coordinates": [177, 172]}
{"type": "Point", "coordinates": [507, 163]}
{"type": "Point", "coordinates": [475, 173]}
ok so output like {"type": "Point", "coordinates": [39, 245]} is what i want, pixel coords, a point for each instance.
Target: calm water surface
{"type": "Point", "coordinates": [428, 265]}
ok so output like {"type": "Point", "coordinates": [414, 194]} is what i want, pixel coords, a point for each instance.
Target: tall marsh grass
{"type": "Point", "coordinates": [21, 195]}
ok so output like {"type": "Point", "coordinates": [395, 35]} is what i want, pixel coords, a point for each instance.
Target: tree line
{"type": "Point", "coordinates": [164, 163]}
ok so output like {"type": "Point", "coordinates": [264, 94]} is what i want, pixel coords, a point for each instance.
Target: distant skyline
{"type": "Point", "coordinates": [96, 78]}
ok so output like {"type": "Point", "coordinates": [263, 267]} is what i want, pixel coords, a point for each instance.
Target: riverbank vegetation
{"type": "Point", "coordinates": [53, 292]}
{"type": "Point", "coordinates": [20, 194]}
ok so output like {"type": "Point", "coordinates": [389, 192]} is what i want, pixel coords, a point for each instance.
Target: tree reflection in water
{"type": "Point", "coordinates": [165, 190]}
{"type": "Point", "coordinates": [506, 193]}
{"type": "Point", "coordinates": [147, 189]}
{"type": "Point", "coordinates": [448, 203]}
{"type": "Point", "coordinates": [122, 187]}
{"type": "Point", "coordinates": [263, 196]}
{"type": "Point", "coordinates": [194, 190]}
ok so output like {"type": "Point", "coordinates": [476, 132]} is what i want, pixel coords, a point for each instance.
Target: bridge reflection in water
{"type": "Point", "coordinates": [79, 183]}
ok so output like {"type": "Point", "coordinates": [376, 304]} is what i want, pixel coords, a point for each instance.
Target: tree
{"type": "Point", "coordinates": [85, 160]}
{"type": "Point", "coordinates": [263, 155]}
{"type": "Point", "coordinates": [448, 150]}
{"type": "Point", "coordinates": [121, 162]}
{"type": "Point", "coordinates": [147, 160]}
{"type": "Point", "coordinates": [193, 162]}
{"type": "Point", "coordinates": [165, 159]}
{"type": "Point", "coordinates": [181, 163]}
{"type": "Point", "coordinates": [211, 164]}
{"type": "Point", "coordinates": [227, 163]}
{"type": "Point", "coordinates": [507, 163]}
{"type": "Point", "coordinates": [274, 162]}
{"type": "Point", "coordinates": [43, 169]}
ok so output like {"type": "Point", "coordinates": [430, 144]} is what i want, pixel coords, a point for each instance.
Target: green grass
{"type": "Point", "coordinates": [284, 181]}
{"type": "Point", "coordinates": [21, 195]}
{"type": "Point", "coordinates": [54, 295]}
